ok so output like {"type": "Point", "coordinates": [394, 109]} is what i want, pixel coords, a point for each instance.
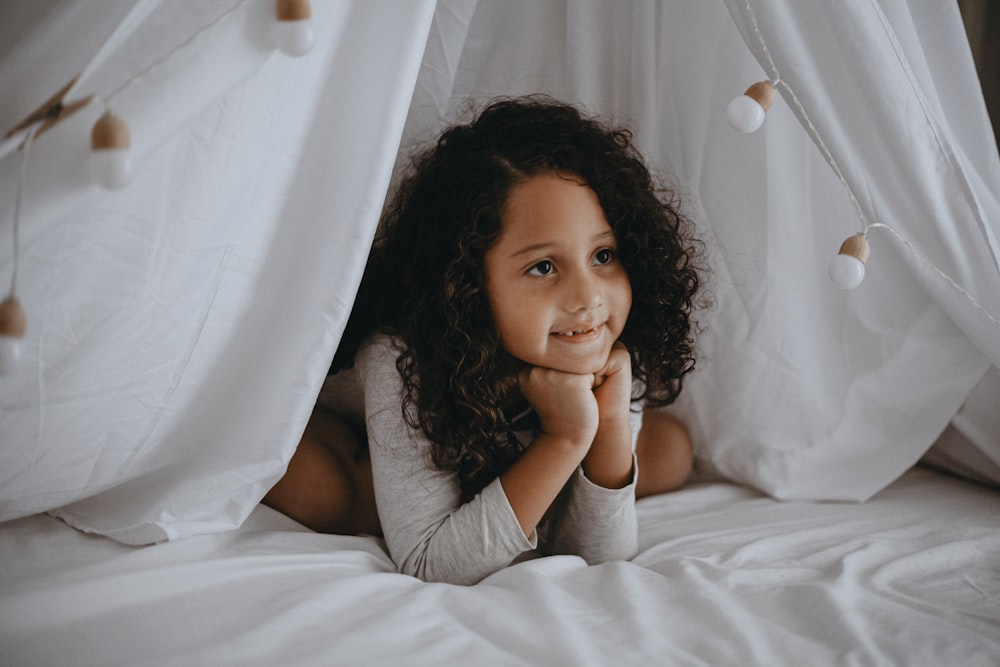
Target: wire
{"type": "Point", "coordinates": [813, 131]}
{"type": "Point", "coordinates": [817, 137]}
{"type": "Point", "coordinates": [951, 281]}
{"type": "Point", "coordinates": [106, 99]}
{"type": "Point", "coordinates": [18, 196]}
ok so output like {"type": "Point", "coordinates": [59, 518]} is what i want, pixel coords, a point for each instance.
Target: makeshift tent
{"type": "Point", "coordinates": [179, 329]}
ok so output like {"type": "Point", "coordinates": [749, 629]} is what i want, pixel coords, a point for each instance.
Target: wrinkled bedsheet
{"type": "Point", "coordinates": [724, 576]}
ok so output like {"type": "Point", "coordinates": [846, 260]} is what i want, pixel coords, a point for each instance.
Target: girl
{"type": "Point", "coordinates": [529, 291]}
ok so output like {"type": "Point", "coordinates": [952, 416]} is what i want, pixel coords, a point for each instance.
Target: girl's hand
{"type": "Point", "coordinates": [613, 385]}
{"type": "Point", "coordinates": [608, 462]}
{"type": "Point", "coordinates": [566, 405]}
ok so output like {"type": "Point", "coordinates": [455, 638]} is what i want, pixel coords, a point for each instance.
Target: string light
{"type": "Point", "coordinates": [111, 156]}
{"type": "Point", "coordinates": [293, 30]}
{"type": "Point", "coordinates": [111, 162]}
{"type": "Point", "coordinates": [12, 326]}
{"type": "Point", "coordinates": [847, 268]}
{"type": "Point", "coordinates": [13, 322]}
{"type": "Point", "coordinates": [746, 112]}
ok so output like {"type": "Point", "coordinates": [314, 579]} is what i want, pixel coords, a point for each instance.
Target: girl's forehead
{"type": "Point", "coordinates": [551, 206]}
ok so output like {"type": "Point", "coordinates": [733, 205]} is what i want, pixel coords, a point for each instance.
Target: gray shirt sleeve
{"type": "Point", "coordinates": [595, 523]}
{"type": "Point", "coordinates": [431, 534]}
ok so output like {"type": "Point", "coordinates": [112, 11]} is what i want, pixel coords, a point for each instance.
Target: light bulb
{"type": "Point", "coordinates": [293, 30]}
{"type": "Point", "coordinates": [294, 38]}
{"type": "Point", "coordinates": [10, 354]}
{"type": "Point", "coordinates": [111, 168]}
{"type": "Point", "coordinates": [846, 272]}
{"type": "Point", "coordinates": [111, 152]}
{"type": "Point", "coordinates": [847, 268]}
{"type": "Point", "coordinates": [12, 326]}
{"type": "Point", "coordinates": [746, 112]}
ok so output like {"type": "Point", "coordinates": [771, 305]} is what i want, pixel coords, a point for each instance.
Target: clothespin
{"type": "Point", "coordinates": [51, 112]}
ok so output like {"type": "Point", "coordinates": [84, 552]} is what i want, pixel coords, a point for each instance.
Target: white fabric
{"type": "Point", "coordinates": [179, 330]}
{"type": "Point", "coordinates": [970, 446]}
{"type": "Point", "coordinates": [724, 576]}
{"type": "Point", "coordinates": [803, 390]}
{"type": "Point", "coordinates": [921, 158]}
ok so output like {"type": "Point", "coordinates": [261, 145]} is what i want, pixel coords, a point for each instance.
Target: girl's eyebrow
{"type": "Point", "coordinates": [537, 247]}
{"type": "Point", "coordinates": [608, 235]}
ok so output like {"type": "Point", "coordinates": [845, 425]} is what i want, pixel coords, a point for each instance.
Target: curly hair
{"type": "Point", "coordinates": [424, 283]}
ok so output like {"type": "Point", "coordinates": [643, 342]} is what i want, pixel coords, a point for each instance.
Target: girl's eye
{"type": "Point", "coordinates": [604, 256]}
{"type": "Point", "coordinates": [542, 268]}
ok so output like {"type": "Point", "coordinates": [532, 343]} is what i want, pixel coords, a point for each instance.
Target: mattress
{"type": "Point", "coordinates": [724, 576]}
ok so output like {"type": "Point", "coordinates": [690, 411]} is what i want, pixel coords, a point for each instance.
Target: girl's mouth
{"type": "Point", "coordinates": [580, 334]}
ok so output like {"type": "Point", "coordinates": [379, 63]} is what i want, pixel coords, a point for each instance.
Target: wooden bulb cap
{"type": "Point", "coordinates": [293, 10]}
{"type": "Point", "coordinates": [762, 92]}
{"type": "Point", "coordinates": [12, 319]}
{"type": "Point", "coordinates": [110, 131]}
{"type": "Point", "coordinates": [856, 246]}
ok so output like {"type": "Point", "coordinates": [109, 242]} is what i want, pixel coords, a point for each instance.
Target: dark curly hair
{"type": "Point", "coordinates": [424, 282]}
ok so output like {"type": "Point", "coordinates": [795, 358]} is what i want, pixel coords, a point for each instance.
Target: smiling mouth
{"type": "Point", "coordinates": [579, 333]}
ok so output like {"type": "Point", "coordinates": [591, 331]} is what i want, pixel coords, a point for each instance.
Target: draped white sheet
{"type": "Point", "coordinates": [179, 330]}
{"type": "Point", "coordinates": [802, 390]}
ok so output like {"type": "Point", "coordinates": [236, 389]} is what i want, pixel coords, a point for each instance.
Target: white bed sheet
{"type": "Point", "coordinates": [724, 576]}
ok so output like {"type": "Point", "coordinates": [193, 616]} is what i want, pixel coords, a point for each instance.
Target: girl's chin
{"type": "Point", "coordinates": [582, 366]}
{"type": "Point", "coordinates": [576, 364]}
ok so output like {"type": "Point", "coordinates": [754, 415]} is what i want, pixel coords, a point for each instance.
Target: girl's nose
{"type": "Point", "coordinates": [583, 292]}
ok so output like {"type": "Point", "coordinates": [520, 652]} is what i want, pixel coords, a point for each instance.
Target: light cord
{"type": "Point", "coordinates": [32, 130]}
{"type": "Point", "coordinates": [18, 196]}
{"type": "Point", "coordinates": [817, 137]}
{"type": "Point", "coordinates": [951, 281]}
{"type": "Point", "coordinates": [813, 131]}
{"type": "Point", "coordinates": [106, 99]}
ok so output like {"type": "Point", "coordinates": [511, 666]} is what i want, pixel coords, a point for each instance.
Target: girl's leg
{"type": "Point", "coordinates": [663, 451]}
{"type": "Point", "coordinates": [327, 485]}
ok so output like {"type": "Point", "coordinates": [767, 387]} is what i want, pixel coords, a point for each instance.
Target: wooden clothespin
{"type": "Point", "coordinates": [51, 112]}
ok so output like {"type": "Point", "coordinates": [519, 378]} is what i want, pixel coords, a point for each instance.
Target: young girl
{"type": "Point", "coordinates": [529, 292]}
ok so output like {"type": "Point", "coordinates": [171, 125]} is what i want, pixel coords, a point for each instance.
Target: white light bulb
{"type": "Point", "coordinates": [745, 114]}
{"type": "Point", "coordinates": [846, 271]}
{"type": "Point", "coordinates": [295, 38]}
{"type": "Point", "coordinates": [10, 354]}
{"type": "Point", "coordinates": [111, 168]}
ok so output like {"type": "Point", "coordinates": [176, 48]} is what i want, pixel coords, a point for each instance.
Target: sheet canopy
{"type": "Point", "coordinates": [179, 330]}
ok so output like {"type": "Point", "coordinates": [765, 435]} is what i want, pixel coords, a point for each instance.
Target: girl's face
{"type": "Point", "coordinates": [557, 292]}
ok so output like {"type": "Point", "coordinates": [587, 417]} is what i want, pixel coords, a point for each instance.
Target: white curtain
{"type": "Point", "coordinates": [802, 390]}
{"type": "Point", "coordinates": [179, 330]}
{"type": "Point", "coordinates": [901, 113]}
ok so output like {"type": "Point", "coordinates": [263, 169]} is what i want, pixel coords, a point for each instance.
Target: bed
{"type": "Point", "coordinates": [845, 508]}
{"type": "Point", "coordinates": [724, 576]}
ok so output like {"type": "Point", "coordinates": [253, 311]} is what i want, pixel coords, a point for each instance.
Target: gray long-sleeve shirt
{"type": "Point", "coordinates": [430, 533]}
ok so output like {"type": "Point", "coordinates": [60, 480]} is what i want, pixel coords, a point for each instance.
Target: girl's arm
{"type": "Point", "coordinates": [429, 532]}
{"type": "Point", "coordinates": [584, 419]}
{"type": "Point", "coordinates": [569, 414]}
{"type": "Point", "coordinates": [597, 518]}
{"type": "Point", "coordinates": [608, 463]}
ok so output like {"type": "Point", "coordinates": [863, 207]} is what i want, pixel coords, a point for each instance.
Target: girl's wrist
{"type": "Point", "coordinates": [608, 462]}
{"type": "Point", "coordinates": [614, 426]}
{"type": "Point", "coordinates": [572, 437]}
